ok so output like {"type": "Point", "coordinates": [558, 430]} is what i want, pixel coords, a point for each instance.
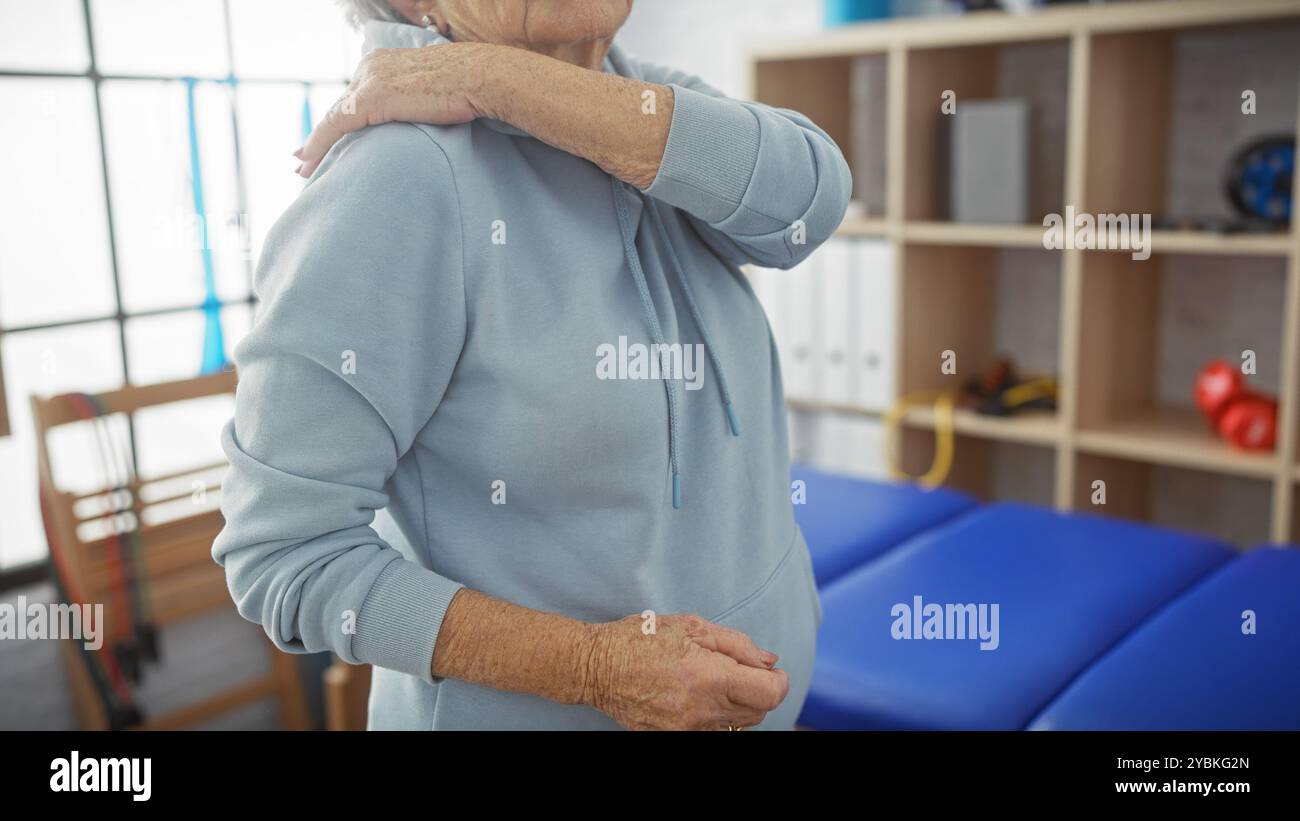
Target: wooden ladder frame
{"type": "Point", "coordinates": [183, 579]}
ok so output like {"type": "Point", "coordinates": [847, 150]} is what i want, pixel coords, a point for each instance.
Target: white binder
{"type": "Point", "coordinates": [865, 451]}
{"type": "Point", "coordinates": [834, 321]}
{"type": "Point", "coordinates": [849, 445]}
{"type": "Point", "coordinates": [797, 292]}
{"type": "Point", "coordinates": [874, 359]}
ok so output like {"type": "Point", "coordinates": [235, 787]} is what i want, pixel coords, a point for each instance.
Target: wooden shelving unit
{"type": "Point", "coordinates": [866, 227]}
{"type": "Point", "coordinates": [1176, 437]}
{"type": "Point", "coordinates": [1031, 428]}
{"type": "Point", "coordinates": [1116, 74]}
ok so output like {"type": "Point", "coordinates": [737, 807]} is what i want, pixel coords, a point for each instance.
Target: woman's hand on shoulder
{"type": "Point", "coordinates": [684, 674]}
{"type": "Point", "coordinates": [434, 85]}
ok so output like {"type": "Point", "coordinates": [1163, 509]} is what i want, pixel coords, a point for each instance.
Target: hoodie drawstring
{"type": "Point", "coordinates": [628, 231]}
{"type": "Point", "coordinates": [699, 322]}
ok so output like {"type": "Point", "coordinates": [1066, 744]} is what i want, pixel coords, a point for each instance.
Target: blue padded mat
{"type": "Point", "coordinates": [1067, 588]}
{"type": "Point", "coordinates": [1191, 666]}
{"type": "Point", "coordinates": [848, 522]}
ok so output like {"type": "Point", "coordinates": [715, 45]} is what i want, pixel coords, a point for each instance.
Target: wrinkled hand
{"type": "Point", "coordinates": [688, 675]}
{"type": "Point", "coordinates": [435, 85]}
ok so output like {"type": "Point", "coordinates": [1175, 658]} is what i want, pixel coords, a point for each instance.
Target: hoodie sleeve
{"type": "Point", "coordinates": [764, 185]}
{"type": "Point", "coordinates": [361, 322]}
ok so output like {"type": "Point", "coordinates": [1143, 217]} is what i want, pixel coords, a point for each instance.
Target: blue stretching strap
{"type": "Point", "coordinates": [214, 346]}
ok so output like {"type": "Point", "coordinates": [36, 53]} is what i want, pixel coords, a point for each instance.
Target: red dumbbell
{"type": "Point", "coordinates": [1217, 385]}
{"type": "Point", "coordinates": [1250, 422]}
{"type": "Point", "coordinates": [1246, 419]}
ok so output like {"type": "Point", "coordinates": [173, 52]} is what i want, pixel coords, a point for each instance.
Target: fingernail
{"type": "Point", "coordinates": [769, 658]}
{"type": "Point", "coordinates": [298, 153]}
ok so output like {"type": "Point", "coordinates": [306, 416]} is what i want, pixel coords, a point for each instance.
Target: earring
{"type": "Point", "coordinates": [429, 23]}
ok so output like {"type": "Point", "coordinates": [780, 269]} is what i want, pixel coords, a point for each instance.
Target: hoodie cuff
{"type": "Point", "coordinates": [708, 162]}
{"type": "Point", "coordinates": [401, 617]}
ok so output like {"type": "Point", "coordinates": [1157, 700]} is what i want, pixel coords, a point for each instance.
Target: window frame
{"type": "Point", "coordinates": [31, 572]}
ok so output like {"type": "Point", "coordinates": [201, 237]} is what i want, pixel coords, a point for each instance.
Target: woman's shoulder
{"type": "Point", "coordinates": [383, 203]}
{"type": "Point", "coordinates": [392, 158]}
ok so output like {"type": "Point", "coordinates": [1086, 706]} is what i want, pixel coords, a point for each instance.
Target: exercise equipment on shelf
{"type": "Point", "coordinates": [1258, 184]}
{"type": "Point", "coordinates": [1001, 392]}
{"type": "Point", "coordinates": [1244, 417]}
{"type": "Point", "coordinates": [998, 392]}
{"type": "Point", "coordinates": [1260, 179]}
{"type": "Point", "coordinates": [944, 437]}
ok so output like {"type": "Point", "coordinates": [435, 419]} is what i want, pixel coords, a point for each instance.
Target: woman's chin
{"type": "Point", "coordinates": [576, 21]}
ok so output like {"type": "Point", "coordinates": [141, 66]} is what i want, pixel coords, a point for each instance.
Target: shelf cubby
{"type": "Point", "coordinates": [1036, 72]}
{"type": "Point", "coordinates": [1234, 509]}
{"type": "Point", "coordinates": [979, 303]}
{"type": "Point", "coordinates": [1147, 327]}
{"type": "Point", "coordinates": [1178, 93]}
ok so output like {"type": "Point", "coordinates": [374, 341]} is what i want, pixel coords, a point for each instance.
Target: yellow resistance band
{"type": "Point", "coordinates": [1026, 392]}
{"type": "Point", "coordinates": [942, 402]}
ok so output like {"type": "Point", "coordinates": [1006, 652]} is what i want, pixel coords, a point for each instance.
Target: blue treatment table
{"type": "Point", "coordinates": [1101, 623]}
{"type": "Point", "coordinates": [1191, 666]}
{"type": "Point", "coordinates": [847, 522]}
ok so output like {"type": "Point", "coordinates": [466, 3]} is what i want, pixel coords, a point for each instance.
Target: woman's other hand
{"type": "Point", "coordinates": [683, 673]}
{"type": "Point", "coordinates": [432, 85]}
{"type": "Point", "coordinates": [688, 674]}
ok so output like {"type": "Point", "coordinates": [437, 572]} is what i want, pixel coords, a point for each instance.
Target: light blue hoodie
{"type": "Point", "coordinates": [432, 308]}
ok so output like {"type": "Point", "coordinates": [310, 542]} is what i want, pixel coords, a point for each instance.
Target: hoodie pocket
{"type": "Point", "coordinates": [813, 594]}
{"type": "Point", "coordinates": [783, 616]}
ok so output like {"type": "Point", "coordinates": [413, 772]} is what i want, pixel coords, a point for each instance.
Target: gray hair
{"type": "Point", "coordinates": [359, 11]}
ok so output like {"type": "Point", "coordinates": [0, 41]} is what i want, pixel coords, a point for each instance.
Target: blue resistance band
{"type": "Point", "coordinates": [214, 346]}
{"type": "Point", "coordinates": [306, 112]}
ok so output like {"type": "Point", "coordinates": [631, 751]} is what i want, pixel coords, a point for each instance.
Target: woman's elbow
{"type": "Point", "coordinates": [824, 214]}
{"type": "Point", "coordinates": [306, 594]}
{"type": "Point", "coordinates": [256, 587]}
{"type": "Point", "coordinates": [834, 190]}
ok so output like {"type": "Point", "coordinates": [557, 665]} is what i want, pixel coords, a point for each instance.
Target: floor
{"type": "Point", "coordinates": [199, 656]}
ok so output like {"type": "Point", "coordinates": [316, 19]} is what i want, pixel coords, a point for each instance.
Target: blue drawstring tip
{"type": "Point", "coordinates": [731, 418]}
{"type": "Point", "coordinates": [677, 490]}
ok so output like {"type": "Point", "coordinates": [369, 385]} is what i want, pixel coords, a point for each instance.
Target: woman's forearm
{"type": "Point", "coordinates": [487, 641]}
{"type": "Point", "coordinates": [619, 124]}
{"type": "Point", "coordinates": [674, 671]}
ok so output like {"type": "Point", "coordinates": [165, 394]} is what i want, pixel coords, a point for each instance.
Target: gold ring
{"type": "Point", "coordinates": [732, 728]}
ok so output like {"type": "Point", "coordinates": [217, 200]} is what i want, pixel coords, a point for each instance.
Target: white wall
{"type": "Point", "coordinates": [709, 37]}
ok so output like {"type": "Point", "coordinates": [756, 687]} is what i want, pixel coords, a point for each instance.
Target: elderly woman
{"type": "Point", "coordinates": [514, 322]}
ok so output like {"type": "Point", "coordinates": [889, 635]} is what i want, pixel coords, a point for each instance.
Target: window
{"type": "Point", "coordinates": [151, 158]}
